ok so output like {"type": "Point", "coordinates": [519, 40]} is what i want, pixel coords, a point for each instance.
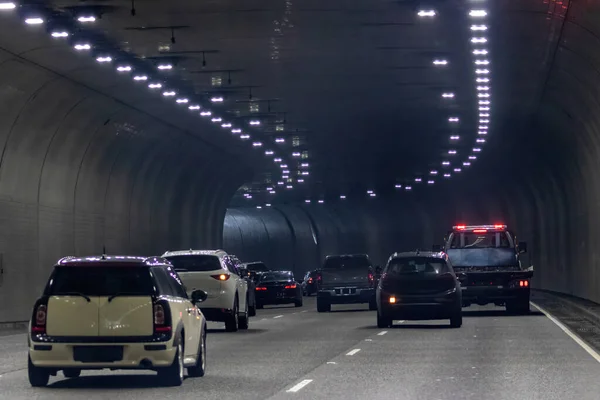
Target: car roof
{"type": "Point", "coordinates": [191, 252]}
{"type": "Point", "coordinates": [417, 253]}
{"type": "Point", "coordinates": [348, 256]}
{"type": "Point", "coordinates": [112, 261]}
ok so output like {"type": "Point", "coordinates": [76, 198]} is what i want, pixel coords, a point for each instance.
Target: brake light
{"type": "Point", "coordinates": [309, 280]}
{"type": "Point", "coordinates": [292, 286]}
{"type": "Point", "coordinates": [479, 230]}
{"type": "Point", "coordinates": [461, 227]}
{"type": "Point", "coordinates": [39, 321]}
{"type": "Point", "coordinates": [371, 279]}
{"type": "Point", "coordinates": [161, 321]}
{"type": "Point", "coordinates": [499, 226]}
{"type": "Point", "coordinates": [261, 288]}
{"type": "Point", "coordinates": [523, 283]}
{"type": "Point", "coordinates": [392, 300]}
{"type": "Point", "coordinates": [220, 277]}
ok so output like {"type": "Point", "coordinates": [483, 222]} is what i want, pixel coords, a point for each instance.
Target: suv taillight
{"type": "Point", "coordinates": [40, 314]}
{"type": "Point", "coordinates": [371, 279]}
{"type": "Point", "coordinates": [162, 320]}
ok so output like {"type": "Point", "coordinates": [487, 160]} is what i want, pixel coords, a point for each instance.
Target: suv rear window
{"type": "Point", "coordinates": [474, 240]}
{"type": "Point", "coordinates": [101, 281]}
{"type": "Point", "coordinates": [195, 263]}
{"type": "Point", "coordinates": [412, 265]}
{"type": "Point", "coordinates": [346, 262]}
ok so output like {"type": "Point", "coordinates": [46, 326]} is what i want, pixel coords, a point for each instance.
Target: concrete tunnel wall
{"type": "Point", "coordinates": [80, 171]}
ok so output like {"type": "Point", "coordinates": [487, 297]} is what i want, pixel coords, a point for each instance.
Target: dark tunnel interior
{"type": "Point", "coordinates": [89, 162]}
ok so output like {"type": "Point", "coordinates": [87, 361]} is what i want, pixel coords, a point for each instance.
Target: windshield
{"type": "Point", "coordinates": [346, 262]}
{"type": "Point", "coordinates": [425, 265]}
{"type": "Point", "coordinates": [471, 240]}
{"type": "Point", "coordinates": [257, 267]}
{"type": "Point", "coordinates": [276, 276]}
{"type": "Point", "coordinates": [101, 281]}
{"type": "Point", "coordinates": [195, 263]}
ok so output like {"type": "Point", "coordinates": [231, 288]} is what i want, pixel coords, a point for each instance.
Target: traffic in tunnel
{"type": "Point", "coordinates": [299, 199]}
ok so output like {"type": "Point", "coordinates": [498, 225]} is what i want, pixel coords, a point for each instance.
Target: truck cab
{"type": "Point", "coordinates": [487, 261]}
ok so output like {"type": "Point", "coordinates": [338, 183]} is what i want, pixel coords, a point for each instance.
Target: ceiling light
{"type": "Point", "coordinates": [433, 172]}
{"type": "Point", "coordinates": [453, 119]}
{"type": "Point", "coordinates": [34, 21]}
{"type": "Point", "coordinates": [483, 95]}
{"type": "Point", "coordinates": [369, 191]}
{"type": "Point", "coordinates": [472, 157]}
{"type": "Point", "coordinates": [484, 121]}
{"type": "Point", "coordinates": [483, 127]}
{"type": "Point", "coordinates": [448, 95]}
{"type": "Point", "coordinates": [194, 107]}
{"type": "Point", "coordinates": [164, 66]}
{"type": "Point", "coordinates": [277, 160]}
{"type": "Point", "coordinates": [426, 13]}
{"type": "Point", "coordinates": [259, 207]}
{"type": "Point", "coordinates": [82, 46]}
{"type": "Point", "coordinates": [140, 78]}
{"type": "Point", "coordinates": [217, 119]}
{"type": "Point", "coordinates": [483, 88]}
{"type": "Point", "coordinates": [304, 165]}
{"type": "Point", "coordinates": [478, 28]}
{"type": "Point", "coordinates": [237, 130]}
{"type": "Point", "coordinates": [372, 195]}
{"type": "Point", "coordinates": [254, 122]}
{"type": "Point", "coordinates": [268, 205]}
{"type": "Point", "coordinates": [283, 166]}
{"type": "Point", "coordinates": [408, 188]}
{"type": "Point", "coordinates": [281, 183]}
{"type": "Point", "coordinates": [244, 137]}
{"type": "Point", "coordinates": [482, 71]}
{"type": "Point", "coordinates": [457, 169]}
{"type": "Point", "coordinates": [7, 6]}
{"type": "Point", "coordinates": [440, 62]}
{"type": "Point", "coordinates": [182, 101]}
{"type": "Point", "coordinates": [217, 99]}
{"type": "Point", "coordinates": [430, 182]}
{"type": "Point", "coordinates": [321, 201]}
{"type": "Point", "coordinates": [484, 102]}
{"type": "Point", "coordinates": [482, 133]}
{"type": "Point", "coordinates": [479, 52]}
{"type": "Point", "coordinates": [300, 180]}
{"type": "Point", "coordinates": [484, 109]}
{"type": "Point", "coordinates": [454, 137]}
{"type": "Point", "coordinates": [446, 175]}
{"type": "Point", "coordinates": [155, 86]}
{"type": "Point", "coordinates": [269, 152]}
{"type": "Point", "coordinates": [257, 144]}
{"type": "Point", "coordinates": [478, 40]}
{"type": "Point", "coordinates": [296, 154]}
{"type": "Point", "coordinates": [104, 59]}
{"type": "Point", "coordinates": [304, 172]}
{"type": "Point", "coordinates": [169, 93]}
{"type": "Point", "coordinates": [307, 201]}
{"type": "Point", "coordinates": [285, 171]}
{"type": "Point", "coordinates": [466, 163]}
{"type": "Point", "coordinates": [484, 115]}
{"type": "Point", "coordinates": [89, 18]}
{"type": "Point", "coordinates": [279, 140]}
{"type": "Point", "coordinates": [483, 80]}
{"type": "Point", "coordinates": [480, 140]}
{"type": "Point", "coordinates": [477, 150]}
{"type": "Point", "coordinates": [60, 34]}
{"type": "Point", "coordinates": [124, 68]}
{"type": "Point", "coordinates": [452, 152]}
{"type": "Point", "coordinates": [445, 163]}
{"type": "Point", "coordinates": [206, 113]}
{"type": "Point", "coordinates": [226, 125]}
{"type": "Point", "coordinates": [289, 187]}
{"type": "Point", "coordinates": [418, 179]}
{"type": "Point", "coordinates": [477, 13]}
{"type": "Point", "coordinates": [342, 197]}
{"type": "Point", "coordinates": [482, 62]}
{"type": "Point", "coordinates": [272, 192]}
{"type": "Point", "coordinates": [398, 186]}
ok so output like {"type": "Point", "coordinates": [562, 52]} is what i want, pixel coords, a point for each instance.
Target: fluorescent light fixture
{"type": "Point", "coordinates": [304, 172]}
{"type": "Point", "coordinates": [254, 122]}
{"type": "Point", "coordinates": [82, 46]}
{"type": "Point", "coordinates": [483, 95]}
{"type": "Point", "coordinates": [448, 95]}
{"type": "Point", "coordinates": [433, 172]}
{"type": "Point", "coordinates": [482, 80]}
{"type": "Point", "coordinates": [124, 68]}
{"type": "Point", "coordinates": [426, 13]}
{"type": "Point", "coordinates": [484, 115]}
{"type": "Point", "coordinates": [296, 154]}
{"type": "Point", "coordinates": [194, 107]}
{"type": "Point", "coordinates": [342, 196]}
{"type": "Point", "coordinates": [304, 165]}
{"type": "Point", "coordinates": [373, 195]}
{"type": "Point", "coordinates": [430, 182]}
{"type": "Point", "coordinates": [206, 113]}
{"type": "Point", "coordinates": [155, 86]}
{"type": "Point", "coordinates": [34, 21]}
{"type": "Point", "coordinates": [484, 121]}
{"type": "Point", "coordinates": [476, 149]}
{"type": "Point", "coordinates": [226, 125]}
{"type": "Point", "coordinates": [307, 201]}
{"type": "Point", "coordinates": [418, 179]}
{"type": "Point", "coordinates": [472, 157]}
{"type": "Point", "coordinates": [369, 191]}
{"type": "Point", "coordinates": [300, 180]}
{"type": "Point", "coordinates": [457, 170]}
{"type": "Point", "coordinates": [482, 62]}
{"type": "Point", "coordinates": [445, 163]}
{"type": "Point", "coordinates": [484, 109]}
{"type": "Point", "coordinates": [482, 71]}
{"type": "Point", "coordinates": [483, 127]}
{"type": "Point", "coordinates": [164, 66]}
{"type": "Point", "coordinates": [289, 187]}
{"type": "Point", "coordinates": [182, 101]}
{"type": "Point", "coordinates": [283, 166]}
{"type": "Point", "coordinates": [478, 13]}
{"type": "Point", "coordinates": [466, 163]}
{"type": "Point", "coordinates": [86, 18]}
{"type": "Point", "coordinates": [169, 93]}
{"type": "Point", "coordinates": [259, 207]}
{"type": "Point", "coordinates": [482, 133]}
{"type": "Point", "coordinates": [60, 34]}
{"type": "Point", "coordinates": [484, 102]}
{"type": "Point", "coordinates": [440, 62]}
{"type": "Point", "coordinates": [237, 130]}
{"type": "Point", "coordinates": [7, 6]}
{"type": "Point", "coordinates": [454, 137]}
{"type": "Point", "coordinates": [453, 119]}
{"type": "Point", "coordinates": [268, 205]}
{"type": "Point", "coordinates": [287, 171]}
{"type": "Point", "coordinates": [480, 140]}
{"type": "Point", "coordinates": [479, 52]}
{"type": "Point", "coordinates": [272, 192]}
{"type": "Point", "coordinates": [277, 160]}
{"type": "Point", "coordinates": [408, 188]}
{"type": "Point", "coordinates": [279, 140]}
{"type": "Point", "coordinates": [257, 144]}
{"type": "Point", "coordinates": [452, 152]}
{"type": "Point", "coordinates": [217, 99]}
{"type": "Point", "coordinates": [140, 78]}
{"type": "Point", "coordinates": [321, 201]}
{"type": "Point", "coordinates": [447, 175]}
{"type": "Point", "coordinates": [281, 183]}
{"type": "Point", "coordinates": [244, 137]}
{"type": "Point", "coordinates": [104, 59]}
{"type": "Point", "coordinates": [483, 88]}
{"type": "Point", "coordinates": [478, 27]}
{"type": "Point", "coordinates": [217, 119]}
{"type": "Point", "coordinates": [398, 186]}
{"type": "Point", "coordinates": [478, 40]}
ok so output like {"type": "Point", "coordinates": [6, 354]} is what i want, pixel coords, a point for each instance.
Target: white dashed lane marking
{"type": "Point", "coordinates": [299, 386]}
{"type": "Point", "coordinates": [382, 333]}
{"type": "Point", "coordinates": [278, 316]}
{"type": "Point", "coordinates": [352, 352]}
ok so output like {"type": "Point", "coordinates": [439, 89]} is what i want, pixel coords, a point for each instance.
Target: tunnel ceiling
{"type": "Point", "coordinates": [356, 95]}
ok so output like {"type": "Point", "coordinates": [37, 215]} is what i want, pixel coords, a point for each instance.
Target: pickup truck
{"type": "Point", "coordinates": [346, 279]}
{"type": "Point", "coordinates": [487, 261]}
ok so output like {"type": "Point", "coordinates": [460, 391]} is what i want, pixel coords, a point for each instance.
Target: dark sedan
{"type": "Point", "coordinates": [418, 286]}
{"type": "Point", "coordinates": [311, 281]}
{"type": "Point", "coordinates": [278, 287]}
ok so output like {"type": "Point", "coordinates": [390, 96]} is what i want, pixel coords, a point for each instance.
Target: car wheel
{"type": "Point", "coordinates": [299, 303]}
{"type": "Point", "coordinates": [38, 377]}
{"type": "Point", "coordinates": [199, 369]}
{"type": "Point", "coordinates": [244, 320]}
{"type": "Point", "coordinates": [173, 374]}
{"type": "Point", "coordinates": [231, 321]}
{"type": "Point", "coordinates": [373, 305]}
{"type": "Point", "coordinates": [456, 320]}
{"type": "Point", "coordinates": [383, 322]}
{"type": "Point", "coordinates": [323, 305]}
{"type": "Point", "coordinates": [72, 373]}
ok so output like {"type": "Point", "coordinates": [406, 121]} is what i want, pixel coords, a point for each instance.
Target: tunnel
{"type": "Point", "coordinates": [285, 132]}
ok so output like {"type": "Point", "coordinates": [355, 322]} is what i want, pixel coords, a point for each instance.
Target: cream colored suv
{"type": "Point", "coordinates": [116, 312]}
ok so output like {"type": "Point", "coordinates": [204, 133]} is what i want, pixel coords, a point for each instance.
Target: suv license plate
{"type": "Point", "coordinates": [97, 354]}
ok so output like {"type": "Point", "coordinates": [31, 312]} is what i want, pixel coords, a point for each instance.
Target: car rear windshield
{"type": "Point", "coordinates": [257, 267]}
{"type": "Point", "coordinates": [101, 281]}
{"type": "Point", "coordinates": [276, 276]}
{"type": "Point", "coordinates": [473, 240]}
{"type": "Point", "coordinates": [195, 263]}
{"type": "Point", "coordinates": [346, 263]}
{"type": "Point", "coordinates": [412, 265]}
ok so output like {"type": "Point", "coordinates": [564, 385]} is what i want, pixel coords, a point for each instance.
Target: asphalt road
{"type": "Point", "coordinates": [297, 353]}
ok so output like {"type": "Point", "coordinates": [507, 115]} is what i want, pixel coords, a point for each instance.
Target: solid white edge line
{"type": "Point", "coordinates": [352, 352]}
{"type": "Point", "coordinates": [278, 316]}
{"type": "Point", "coordinates": [573, 336]}
{"type": "Point", "coordinates": [382, 333]}
{"type": "Point", "coordinates": [299, 386]}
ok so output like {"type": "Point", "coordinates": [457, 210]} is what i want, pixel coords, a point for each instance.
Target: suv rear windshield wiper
{"type": "Point", "coordinates": [72, 294]}
{"type": "Point", "coordinates": [126, 294]}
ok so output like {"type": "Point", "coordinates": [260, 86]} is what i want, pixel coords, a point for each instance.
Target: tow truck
{"type": "Point", "coordinates": [487, 261]}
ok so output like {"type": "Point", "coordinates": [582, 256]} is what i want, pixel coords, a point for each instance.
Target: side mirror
{"type": "Point", "coordinates": [198, 296]}
{"type": "Point", "coordinates": [522, 247]}
{"type": "Point", "coordinates": [436, 248]}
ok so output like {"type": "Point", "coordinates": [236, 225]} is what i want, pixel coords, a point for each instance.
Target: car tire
{"type": "Point", "coordinates": [72, 373]}
{"type": "Point", "coordinates": [173, 374]}
{"type": "Point", "coordinates": [199, 369]}
{"type": "Point", "coordinates": [299, 303]}
{"type": "Point", "coordinates": [383, 322]}
{"type": "Point", "coordinates": [38, 376]}
{"type": "Point", "coordinates": [456, 320]}
{"type": "Point", "coordinates": [244, 320]}
{"type": "Point", "coordinates": [231, 320]}
{"type": "Point", "coordinates": [373, 305]}
{"type": "Point", "coordinates": [323, 305]}
{"type": "Point", "coordinates": [252, 311]}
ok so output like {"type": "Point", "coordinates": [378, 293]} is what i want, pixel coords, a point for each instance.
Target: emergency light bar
{"type": "Point", "coordinates": [479, 228]}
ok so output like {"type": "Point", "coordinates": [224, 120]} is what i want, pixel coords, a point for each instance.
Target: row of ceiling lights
{"type": "Point", "coordinates": [38, 18]}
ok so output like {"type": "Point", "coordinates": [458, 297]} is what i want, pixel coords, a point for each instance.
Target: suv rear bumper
{"type": "Point", "coordinates": [135, 355]}
{"type": "Point", "coordinates": [484, 295]}
{"type": "Point", "coordinates": [421, 307]}
{"type": "Point", "coordinates": [352, 295]}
